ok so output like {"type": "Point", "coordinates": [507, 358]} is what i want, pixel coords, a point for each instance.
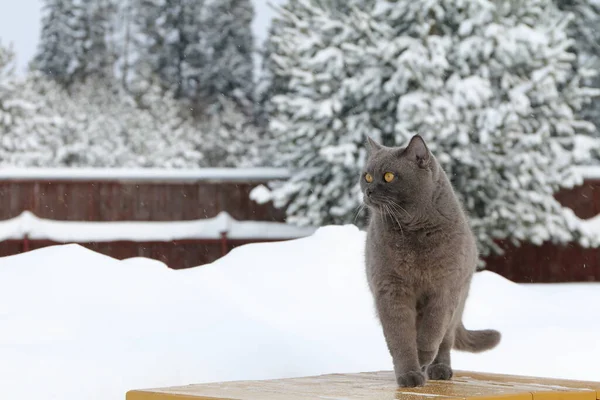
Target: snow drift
{"type": "Point", "coordinates": [76, 324]}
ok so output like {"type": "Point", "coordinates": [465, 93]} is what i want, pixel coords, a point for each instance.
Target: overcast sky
{"type": "Point", "coordinates": [20, 25]}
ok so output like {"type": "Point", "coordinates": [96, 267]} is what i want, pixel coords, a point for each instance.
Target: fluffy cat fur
{"type": "Point", "coordinates": [420, 258]}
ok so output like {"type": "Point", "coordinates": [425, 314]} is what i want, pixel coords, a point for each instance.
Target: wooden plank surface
{"type": "Point", "coordinates": [381, 386]}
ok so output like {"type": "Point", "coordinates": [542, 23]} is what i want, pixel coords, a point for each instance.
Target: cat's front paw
{"type": "Point", "coordinates": [411, 379]}
{"type": "Point", "coordinates": [439, 372]}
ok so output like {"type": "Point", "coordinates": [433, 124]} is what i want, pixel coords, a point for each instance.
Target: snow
{"type": "Point", "coordinates": [590, 172]}
{"type": "Point", "coordinates": [591, 226]}
{"type": "Point", "coordinates": [144, 174]}
{"type": "Point", "coordinates": [584, 146]}
{"type": "Point", "coordinates": [27, 224]}
{"type": "Point", "coordinates": [260, 194]}
{"type": "Point", "coordinates": [76, 324]}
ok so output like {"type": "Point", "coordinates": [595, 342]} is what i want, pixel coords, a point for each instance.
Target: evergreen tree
{"type": "Point", "coordinates": [270, 83]}
{"type": "Point", "coordinates": [201, 50]}
{"type": "Point", "coordinates": [584, 29]}
{"type": "Point", "coordinates": [74, 42]}
{"type": "Point", "coordinates": [489, 85]}
{"type": "Point", "coordinates": [164, 34]}
{"type": "Point", "coordinates": [93, 124]}
{"type": "Point", "coordinates": [228, 41]}
{"type": "Point", "coordinates": [27, 129]}
{"type": "Point", "coordinates": [118, 130]}
{"type": "Point", "coordinates": [96, 19]}
{"type": "Point", "coordinates": [193, 67]}
{"type": "Point", "coordinates": [175, 141]}
{"type": "Point", "coordinates": [10, 110]}
{"type": "Point", "coordinates": [233, 139]}
{"type": "Point", "coordinates": [583, 26]}
{"type": "Point", "coordinates": [56, 54]}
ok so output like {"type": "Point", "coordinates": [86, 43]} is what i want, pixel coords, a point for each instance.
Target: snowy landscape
{"type": "Point", "coordinates": [505, 94]}
{"type": "Point", "coordinates": [77, 324]}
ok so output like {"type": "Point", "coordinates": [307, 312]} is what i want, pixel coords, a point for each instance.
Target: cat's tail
{"type": "Point", "coordinates": [475, 341]}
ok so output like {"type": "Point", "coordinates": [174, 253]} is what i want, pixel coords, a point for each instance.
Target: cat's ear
{"type": "Point", "coordinates": [373, 145]}
{"type": "Point", "coordinates": [418, 152]}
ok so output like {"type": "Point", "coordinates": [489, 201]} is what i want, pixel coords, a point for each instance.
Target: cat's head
{"type": "Point", "coordinates": [397, 176]}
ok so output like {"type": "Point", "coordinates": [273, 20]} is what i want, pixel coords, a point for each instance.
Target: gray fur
{"type": "Point", "coordinates": [420, 259]}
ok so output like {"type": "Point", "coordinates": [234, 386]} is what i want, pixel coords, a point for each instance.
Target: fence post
{"type": "Point", "coordinates": [26, 243]}
{"type": "Point", "coordinates": [224, 243]}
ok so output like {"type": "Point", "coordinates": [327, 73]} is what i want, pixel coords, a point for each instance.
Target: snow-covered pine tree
{"type": "Point", "coordinates": [269, 83]}
{"type": "Point", "coordinates": [94, 123]}
{"type": "Point", "coordinates": [193, 67]}
{"type": "Point", "coordinates": [56, 53]}
{"type": "Point", "coordinates": [488, 84]}
{"type": "Point", "coordinates": [141, 43]}
{"type": "Point", "coordinates": [343, 7]}
{"type": "Point", "coordinates": [27, 129]}
{"type": "Point", "coordinates": [325, 102]}
{"type": "Point", "coordinates": [59, 134]}
{"type": "Point", "coordinates": [10, 108]}
{"type": "Point", "coordinates": [176, 141]}
{"type": "Point", "coordinates": [586, 16]}
{"type": "Point", "coordinates": [164, 34]}
{"type": "Point", "coordinates": [229, 46]}
{"type": "Point", "coordinates": [118, 130]}
{"type": "Point", "coordinates": [232, 139]}
{"type": "Point", "coordinates": [97, 18]}
{"type": "Point", "coordinates": [584, 29]}
{"type": "Point", "coordinates": [75, 40]}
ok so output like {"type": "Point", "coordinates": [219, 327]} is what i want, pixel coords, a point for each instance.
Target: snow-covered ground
{"type": "Point", "coordinates": [75, 324]}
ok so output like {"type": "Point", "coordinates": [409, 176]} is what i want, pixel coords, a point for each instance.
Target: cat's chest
{"type": "Point", "coordinates": [386, 247]}
{"type": "Point", "coordinates": [404, 252]}
{"type": "Point", "coordinates": [412, 243]}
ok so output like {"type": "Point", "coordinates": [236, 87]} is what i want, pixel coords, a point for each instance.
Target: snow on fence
{"type": "Point", "coordinates": [27, 225]}
{"type": "Point", "coordinates": [144, 174]}
{"type": "Point", "coordinates": [215, 235]}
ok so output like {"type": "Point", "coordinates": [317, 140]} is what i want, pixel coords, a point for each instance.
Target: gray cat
{"type": "Point", "coordinates": [420, 258]}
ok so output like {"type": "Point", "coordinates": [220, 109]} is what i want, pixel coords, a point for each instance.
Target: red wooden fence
{"type": "Point", "coordinates": [196, 197]}
{"type": "Point", "coordinates": [550, 262]}
{"type": "Point", "coordinates": [547, 263]}
{"type": "Point", "coordinates": [135, 196]}
{"type": "Point", "coordinates": [138, 195]}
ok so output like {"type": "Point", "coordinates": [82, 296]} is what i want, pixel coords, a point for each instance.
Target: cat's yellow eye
{"type": "Point", "coordinates": [368, 178]}
{"type": "Point", "coordinates": [388, 177]}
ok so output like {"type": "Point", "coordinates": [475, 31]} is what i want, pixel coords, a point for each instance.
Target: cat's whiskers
{"type": "Point", "coordinates": [360, 208]}
{"type": "Point", "coordinates": [397, 206]}
{"type": "Point", "coordinates": [390, 210]}
{"type": "Point", "coordinates": [402, 209]}
{"type": "Point", "coordinates": [382, 213]}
